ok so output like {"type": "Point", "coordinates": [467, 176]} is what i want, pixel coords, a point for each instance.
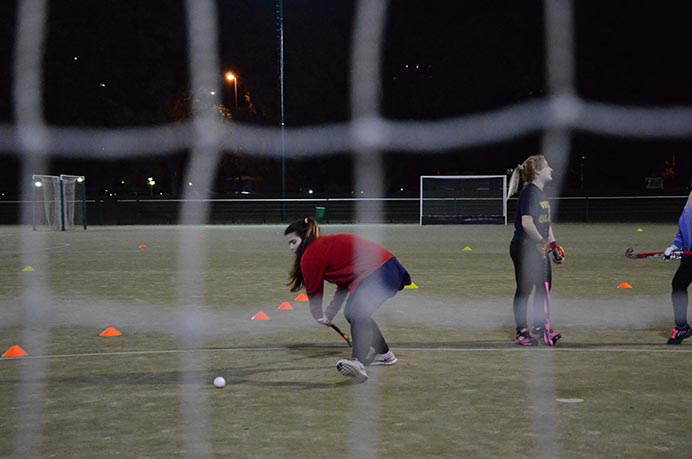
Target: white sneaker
{"type": "Point", "coordinates": [352, 368]}
{"type": "Point", "coordinates": [384, 359]}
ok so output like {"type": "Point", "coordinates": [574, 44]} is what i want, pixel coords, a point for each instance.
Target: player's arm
{"type": "Point", "coordinates": [313, 280]}
{"type": "Point", "coordinates": [337, 302]}
{"type": "Point", "coordinates": [316, 305]}
{"type": "Point", "coordinates": [532, 232]}
{"type": "Point", "coordinates": [530, 228]}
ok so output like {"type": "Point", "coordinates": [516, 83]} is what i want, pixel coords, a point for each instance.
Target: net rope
{"type": "Point", "coordinates": [367, 133]}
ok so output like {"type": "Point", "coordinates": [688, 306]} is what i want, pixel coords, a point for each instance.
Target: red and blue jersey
{"type": "Point", "coordinates": [341, 259]}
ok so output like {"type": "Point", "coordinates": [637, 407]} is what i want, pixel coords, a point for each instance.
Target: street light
{"type": "Point", "coordinates": [151, 182]}
{"type": "Point", "coordinates": [231, 77]}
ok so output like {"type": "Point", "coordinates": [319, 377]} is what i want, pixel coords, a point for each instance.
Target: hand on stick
{"type": "Point", "coordinates": [557, 253]}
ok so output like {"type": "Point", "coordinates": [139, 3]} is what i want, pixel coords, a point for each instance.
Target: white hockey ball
{"type": "Point", "coordinates": [219, 382]}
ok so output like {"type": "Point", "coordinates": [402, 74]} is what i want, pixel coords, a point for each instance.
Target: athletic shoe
{"type": "Point", "coordinates": [549, 338]}
{"type": "Point", "coordinates": [387, 358]}
{"type": "Point", "coordinates": [352, 368]}
{"type": "Point", "coordinates": [680, 334]}
{"type": "Point", "coordinates": [524, 338]}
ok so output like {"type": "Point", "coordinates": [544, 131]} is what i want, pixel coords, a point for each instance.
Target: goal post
{"type": "Point", "coordinates": [463, 199]}
{"type": "Point", "coordinates": [73, 201]}
{"type": "Point", "coordinates": [58, 203]}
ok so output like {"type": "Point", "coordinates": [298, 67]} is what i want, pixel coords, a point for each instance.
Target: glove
{"type": "Point", "coordinates": [556, 252]}
{"type": "Point", "coordinates": [324, 320]}
{"type": "Point", "coordinates": [669, 253]}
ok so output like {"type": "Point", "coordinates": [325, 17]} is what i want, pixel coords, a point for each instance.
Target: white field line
{"type": "Point", "coordinates": [401, 349]}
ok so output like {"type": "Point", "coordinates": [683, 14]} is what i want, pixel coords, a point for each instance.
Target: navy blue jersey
{"type": "Point", "coordinates": [534, 202]}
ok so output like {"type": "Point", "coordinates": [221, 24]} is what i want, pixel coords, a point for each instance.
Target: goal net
{"type": "Point", "coordinates": [58, 202]}
{"type": "Point", "coordinates": [463, 199]}
{"type": "Point", "coordinates": [182, 308]}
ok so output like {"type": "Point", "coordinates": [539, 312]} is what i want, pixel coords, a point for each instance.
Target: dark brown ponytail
{"type": "Point", "coordinates": [308, 230]}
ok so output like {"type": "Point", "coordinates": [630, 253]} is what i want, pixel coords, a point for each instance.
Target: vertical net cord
{"type": "Point", "coordinates": [559, 58]}
{"type": "Point", "coordinates": [35, 334]}
{"type": "Point", "coordinates": [367, 126]}
{"type": "Point", "coordinates": [192, 258]}
{"type": "Point", "coordinates": [365, 97]}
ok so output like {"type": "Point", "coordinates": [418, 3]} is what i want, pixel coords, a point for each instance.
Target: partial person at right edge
{"type": "Point", "coordinates": [683, 276]}
{"type": "Point", "coordinates": [533, 241]}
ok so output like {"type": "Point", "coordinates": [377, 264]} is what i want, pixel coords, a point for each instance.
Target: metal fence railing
{"type": "Point", "coordinates": [343, 210]}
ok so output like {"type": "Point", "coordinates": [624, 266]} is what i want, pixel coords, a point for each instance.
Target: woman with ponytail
{"type": "Point", "coordinates": [365, 275]}
{"type": "Point", "coordinates": [533, 241]}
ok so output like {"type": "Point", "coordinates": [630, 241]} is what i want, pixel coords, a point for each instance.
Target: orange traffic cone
{"type": "Point", "coordinates": [15, 352]}
{"type": "Point", "coordinates": [285, 306]}
{"type": "Point", "coordinates": [110, 331]}
{"type": "Point", "coordinates": [260, 316]}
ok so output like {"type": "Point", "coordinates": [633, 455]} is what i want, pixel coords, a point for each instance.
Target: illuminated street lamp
{"type": "Point", "coordinates": [151, 182]}
{"type": "Point", "coordinates": [231, 77]}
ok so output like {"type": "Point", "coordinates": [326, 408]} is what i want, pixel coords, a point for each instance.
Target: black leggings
{"type": "Point", "coordinates": [531, 271]}
{"type": "Point", "coordinates": [681, 280]}
{"type": "Point", "coordinates": [370, 294]}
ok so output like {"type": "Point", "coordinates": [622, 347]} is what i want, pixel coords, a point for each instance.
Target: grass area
{"type": "Point", "coordinates": [462, 388]}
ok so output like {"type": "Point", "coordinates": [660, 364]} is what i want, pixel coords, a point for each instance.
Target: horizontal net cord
{"type": "Point", "coordinates": [404, 136]}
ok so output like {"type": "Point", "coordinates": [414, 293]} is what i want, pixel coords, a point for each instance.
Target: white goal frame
{"type": "Point", "coordinates": [57, 208]}
{"type": "Point", "coordinates": [471, 219]}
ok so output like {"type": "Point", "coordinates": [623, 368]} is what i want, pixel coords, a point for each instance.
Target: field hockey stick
{"type": "Point", "coordinates": [675, 254]}
{"type": "Point", "coordinates": [547, 339]}
{"type": "Point", "coordinates": [342, 334]}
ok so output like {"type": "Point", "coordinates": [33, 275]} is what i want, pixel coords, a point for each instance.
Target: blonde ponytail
{"type": "Point", "coordinates": [526, 171]}
{"type": "Point", "coordinates": [514, 181]}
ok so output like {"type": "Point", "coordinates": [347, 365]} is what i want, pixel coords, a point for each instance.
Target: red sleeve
{"type": "Point", "coordinates": [312, 268]}
{"type": "Point", "coordinates": [313, 274]}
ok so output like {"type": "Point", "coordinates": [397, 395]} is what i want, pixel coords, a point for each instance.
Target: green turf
{"type": "Point", "coordinates": [462, 388]}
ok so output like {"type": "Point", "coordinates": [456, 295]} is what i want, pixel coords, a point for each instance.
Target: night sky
{"type": "Point", "coordinates": [124, 63]}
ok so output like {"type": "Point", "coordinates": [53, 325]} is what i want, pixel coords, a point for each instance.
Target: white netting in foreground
{"type": "Point", "coordinates": [368, 134]}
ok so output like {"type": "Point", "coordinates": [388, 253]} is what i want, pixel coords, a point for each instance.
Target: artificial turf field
{"type": "Point", "coordinates": [610, 388]}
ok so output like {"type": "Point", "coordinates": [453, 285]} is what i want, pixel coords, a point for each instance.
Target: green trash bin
{"type": "Point", "coordinates": [319, 214]}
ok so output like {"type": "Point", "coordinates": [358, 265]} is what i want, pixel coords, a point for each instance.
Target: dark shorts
{"type": "Point", "coordinates": [378, 288]}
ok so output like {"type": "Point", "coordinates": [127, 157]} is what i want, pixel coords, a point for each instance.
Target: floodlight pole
{"type": "Point", "coordinates": [280, 20]}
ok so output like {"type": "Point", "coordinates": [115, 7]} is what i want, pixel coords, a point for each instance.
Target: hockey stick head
{"type": "Point", "coordinates": [674, 255]}
{"type": "Point", "coordinates": [632, 255]}
{"type": "Point", "coordinates": [342, 334]}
